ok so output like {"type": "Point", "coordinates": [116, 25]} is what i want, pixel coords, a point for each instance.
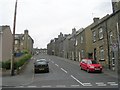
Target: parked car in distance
{"type": "Point", "coordinates": [41, 65]}
{"type": "Point", "coordinates": [90, 65]}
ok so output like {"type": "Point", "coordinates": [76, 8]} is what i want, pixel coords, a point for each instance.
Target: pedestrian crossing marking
{"type": "Point", "coordinates": [87, 84]}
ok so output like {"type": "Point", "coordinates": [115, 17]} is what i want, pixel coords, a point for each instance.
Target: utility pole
{"type": "Point", "coordinates": [13, 46]}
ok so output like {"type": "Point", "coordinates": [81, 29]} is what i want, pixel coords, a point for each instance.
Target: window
{"type": "Point", "coordinates": [94, 36]}
{"type": "Point", "coordinates": [16, 48]}
{"type": "Point", "coordinates": [101, 53]}
{"type": "Point", "coordinates": [76, 42]}
{"type": "Point", "coordinates": [21, 43]}
{"type": "Point", "coordinates": [16, 36]}
{"type": "Point", "coordinates": [23, 38]}
{"type": "Point", "coordinates": [82, 53]}
{"type": "Point", "coordinates": [111, 35]}
{"type": "Point", "coordinates": [81, 39]}
{"type": "Point", "coordinates": [113, 58]}
{"type": "Point", "coordinates": [16, 41]}
{"type": "Point", "coordinates": [100, 33]}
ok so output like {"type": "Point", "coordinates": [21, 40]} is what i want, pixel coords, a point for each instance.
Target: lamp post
{"type": "Point", "coordinates": [13, 44]}
{"type": "Point", "coordinates": [1, 43]}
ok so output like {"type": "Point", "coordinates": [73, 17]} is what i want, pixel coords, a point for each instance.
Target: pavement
{"type": "Point", "coordinates": [110, 73]}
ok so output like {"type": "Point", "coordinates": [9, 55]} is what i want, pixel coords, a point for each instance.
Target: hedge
{"type": "Point", "coordinates": [19, 63]}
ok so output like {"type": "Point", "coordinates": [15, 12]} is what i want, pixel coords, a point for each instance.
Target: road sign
{"type": "Point", "coordinates": [115, 46]}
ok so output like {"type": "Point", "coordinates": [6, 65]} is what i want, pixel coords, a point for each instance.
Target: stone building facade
{"type": "Point", "coordinates": [105, 40]}
{"type": "Point", "coordinates": [6, 40]}
{"type": "Point", "coordinates": [23, 42]}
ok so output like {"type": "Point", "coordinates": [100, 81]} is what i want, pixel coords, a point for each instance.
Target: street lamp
{"type": "Point", "coordinates": [1, 48]}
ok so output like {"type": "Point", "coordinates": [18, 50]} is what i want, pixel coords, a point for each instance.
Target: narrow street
{"type": "Point", "coordinates": [63, 74]}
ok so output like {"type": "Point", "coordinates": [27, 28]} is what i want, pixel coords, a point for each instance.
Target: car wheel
{"type": "Point", "coordinates": [88, 70]}
{"type": "Point", "coordinates": [47, 70]}
{"type": "Point", "coordinates": [81, 68]}
{"type": "Point", "coordinates": [100, 71]}
{"type": "Point", "coordinates": [35, 72]}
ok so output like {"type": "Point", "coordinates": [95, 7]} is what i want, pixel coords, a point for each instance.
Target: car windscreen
{"type": "Point", "coordinates": [41, 60]}
{"type": "Point", "coordinates": [41, 63]}
{"type": "Point", "coordinates": [92, 62]}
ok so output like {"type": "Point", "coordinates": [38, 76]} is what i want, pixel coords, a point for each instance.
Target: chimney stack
{"type": "Point", "coordinates": [73, 30]}
{"type": "Point", "coordinates": [95, 19]}
{"type": "Point", "coordinates": [25, 31]}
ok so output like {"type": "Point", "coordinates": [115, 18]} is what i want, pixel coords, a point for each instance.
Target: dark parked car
{"type": "Point", "coordinates": [41, 65]}
{"type": "Point", "coordinates": [90, 65]}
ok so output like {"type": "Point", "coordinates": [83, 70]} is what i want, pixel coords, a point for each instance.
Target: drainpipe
{"type": "Point", "coordinates": [108, 47]}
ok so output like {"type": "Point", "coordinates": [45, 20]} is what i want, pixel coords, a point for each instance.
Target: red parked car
{"type": "Point", "coordinates": [90, 65]}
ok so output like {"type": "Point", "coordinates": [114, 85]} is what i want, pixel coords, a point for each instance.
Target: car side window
{"type": "Point", "coordinates": [83, 61]}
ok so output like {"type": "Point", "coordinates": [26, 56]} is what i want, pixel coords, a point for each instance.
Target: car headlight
{"type": "Point", "coordinates": [91, 66]}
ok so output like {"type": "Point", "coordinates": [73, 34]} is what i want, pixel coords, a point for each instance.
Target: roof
{"type": "Point", "coordinates": [105, 18]}
{"type": "Point", "coordinates": [19, 36]}
{"type": "Point", "coordinates": [79, 31]}
{"type": "Point", "coordinates": [76, 33]}
{"type": "Point", "coordinates": [4, 27]}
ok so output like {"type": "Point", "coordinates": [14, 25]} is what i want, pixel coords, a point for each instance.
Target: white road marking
{"type": "Point", "coordinates": [52, 61]}
{"type": "Point", "coordinates": [111, 82]}
{"type": "Point", "coordinates": [46, 86]}
{"type": "Point", "coordinates": [60, 86]}
{"type": "Point", "coordinates": [77, 80]}
{"type": "Point", "coordinates": [21, 86]}
{"type": "Point", "coordinates": [64, 70]}
{"type": "Point", "coordinates": [75, 85]}
{"type": "Point", "coordinates": [32, 86]}
{"type": "Point", "coordinates": [114, 84]}
{"type": "Point", "coordinates": [100, 84]}
{"type": "Point", "coordinates": [57, 65]}
{"type": "Point", "coordinates": [87, 84]}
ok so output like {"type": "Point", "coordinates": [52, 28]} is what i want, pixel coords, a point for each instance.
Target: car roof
{"type": "Point", "coordinates": [40, 59]}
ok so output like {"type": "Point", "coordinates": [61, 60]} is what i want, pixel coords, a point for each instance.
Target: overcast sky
{"type": "Point", "coordinates": [45, 19]}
